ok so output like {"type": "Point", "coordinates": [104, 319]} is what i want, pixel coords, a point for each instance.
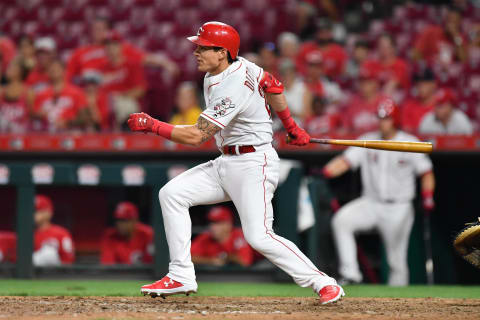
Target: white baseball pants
{"type": "Point", "coordinates": [249, 180]}
{"type": "Point", "coordinates": [393, 221]}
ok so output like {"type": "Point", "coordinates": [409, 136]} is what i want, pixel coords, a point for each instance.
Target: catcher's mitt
{"type": "Point", "coordinates": [467, 243]}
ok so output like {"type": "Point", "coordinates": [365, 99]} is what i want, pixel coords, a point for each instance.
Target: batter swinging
{"type": "Point", "coordinates": [237, 94]}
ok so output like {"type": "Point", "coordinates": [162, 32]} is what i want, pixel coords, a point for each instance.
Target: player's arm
{"type": "Point", "coordinates": [193, 135]}
{"type": "Point", "coordinates": [427, 182]}
{"type": "Point", "coordinates": [336, 167]}
{"type": "Point", "coordinates": [273, 94]}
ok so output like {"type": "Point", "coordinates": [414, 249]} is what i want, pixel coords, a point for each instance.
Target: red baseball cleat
{"type": "Point", "coordinates": [166, 287]}
{"type": "Point", "coordinates": [330, 293]}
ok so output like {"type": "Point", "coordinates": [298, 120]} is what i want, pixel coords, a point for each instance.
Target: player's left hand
{"type": "Point", "coordinates": [140, 122]}
{"type": "Point", "coordinates": [298, 137]}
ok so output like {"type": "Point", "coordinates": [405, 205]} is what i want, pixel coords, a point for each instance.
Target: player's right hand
{"type": "Point", "coordinates": [298, 137]}
{"type": "Point", "coordinates": [140, 122]}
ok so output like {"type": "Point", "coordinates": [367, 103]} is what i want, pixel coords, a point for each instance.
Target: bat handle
{"type": "Point", "coordinates": [316, 140]}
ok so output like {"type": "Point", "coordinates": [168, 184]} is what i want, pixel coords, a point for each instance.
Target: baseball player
{"type": "Point", "coordinates": [222, 243]}
{"type": "Point", "coordinates": [130, 241]}
{"type": "Point", "coordinates": [388, 180]}
{"type": "Point", "coordinates": [53, 244]}
{"type": "Point", "coordinates": [238, 95]}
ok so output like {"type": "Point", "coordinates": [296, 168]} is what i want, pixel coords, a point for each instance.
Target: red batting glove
{"type": "Point", "coordinates": [143, 122]}
{"type": "Point", "coordinates": [298, 137]}
{"type": "Point", "coordinates": [427, 201]}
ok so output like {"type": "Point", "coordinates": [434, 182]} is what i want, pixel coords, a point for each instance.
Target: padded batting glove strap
{"type": "Point", "coordinates": [270, 84]}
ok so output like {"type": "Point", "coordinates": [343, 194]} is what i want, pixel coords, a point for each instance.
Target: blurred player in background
{"type": "Point", "coordinates": [53, 244]}
{"type": "Point", "coordinates": [222, 243]}
{"type": "Point", "coordinates": [130, 241]}
{"type": "Point", "coordinates": [388, 181]}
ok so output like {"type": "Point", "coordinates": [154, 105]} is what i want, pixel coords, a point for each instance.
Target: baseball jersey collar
{"type": "Point", "coordinates": [231, 68]}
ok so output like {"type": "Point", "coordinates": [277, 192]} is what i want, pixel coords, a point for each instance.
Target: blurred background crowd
{"type": "Point", "coordinates": [84, 65]}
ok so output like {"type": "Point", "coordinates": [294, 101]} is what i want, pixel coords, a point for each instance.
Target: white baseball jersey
{"type": "Point", "coordinates": [388, 175]}
{"type": "Point", "coordinates": [237, 105]}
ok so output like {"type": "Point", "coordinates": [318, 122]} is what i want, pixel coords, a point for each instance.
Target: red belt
{"type": "Point", "coordinates": [236, 150]}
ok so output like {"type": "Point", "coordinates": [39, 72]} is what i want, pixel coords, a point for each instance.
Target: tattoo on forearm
{"type": "Point", "coordinates": [207, 128]}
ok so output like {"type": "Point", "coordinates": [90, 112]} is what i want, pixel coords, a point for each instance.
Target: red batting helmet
{"type": "Point", "coordinates": [386, 108]}
{"type": "Point", "coordinates": [218, 34]}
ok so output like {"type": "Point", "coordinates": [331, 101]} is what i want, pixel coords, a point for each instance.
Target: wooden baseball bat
{"type": "Point", "coordinates": [404, 146]}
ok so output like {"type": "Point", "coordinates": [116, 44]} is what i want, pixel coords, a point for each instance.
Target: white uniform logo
{"type": "Point", "coordinates": [222, 107]}
{"type": "Point", "coordinates": [167, 283]}
{"type": "Point", "coordinates": [200, 31]}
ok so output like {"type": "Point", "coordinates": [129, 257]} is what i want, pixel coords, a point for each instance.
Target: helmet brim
{"type": "Point", "coordinates": [201, 42]}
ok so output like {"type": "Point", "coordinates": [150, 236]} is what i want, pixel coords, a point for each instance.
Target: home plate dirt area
{"type": "Point", "coordinates": [235, 308]}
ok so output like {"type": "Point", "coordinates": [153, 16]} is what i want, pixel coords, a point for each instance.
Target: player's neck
{"type": "Point", "coordinates": [221, 67]}
{"type": "Point", "coordinates": [389, 135]}
{"type": "Point", "coordinates": [44, 226]}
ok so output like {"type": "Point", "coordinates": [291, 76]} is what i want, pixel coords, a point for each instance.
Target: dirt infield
{"type": "Point", "coordinates": [189, 308]}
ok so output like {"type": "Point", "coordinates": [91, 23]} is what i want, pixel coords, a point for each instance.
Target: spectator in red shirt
{"type": "Point", "coordinates": [123, 80]}
{"type": "Point", "coordinates": [53, 244]}
{"type": "Point", "coordinates": [334, 55]}
{"type": "Point", "coordinates": [93, 56]}
{"type": "Point", "coordinates": [130, 241]}
{"type": "Point", "coordinates": [315, 78]}
{"type": "Point", "coordinates": [13, 102]}
{"type": "Point", "coordinates": [222, 243]}
{"type": "Point", "coordinates": [442, 43]}
{"type": "Point", "coordinates": [61, 106]}
{"type": "Point", "coordinates": [45, 54]}
{"type": "Point", "coordinates": [8, 246]}
{"type": "Point", "coordinates": [415, 108]}
{"type": "Point", "coordinates": [392, 70]}
{"type": "Point", "coordinates": [360, 114]}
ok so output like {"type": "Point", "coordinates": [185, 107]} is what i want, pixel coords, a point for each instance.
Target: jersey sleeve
{"type": "Point", "coordinates": [226, 103]}
{"type": "Point", "coordinates": [66, 250]}
{"type": "Point", "coordinates": [421, 163]}
{"type": "Point", "coordinates": [354, 156]}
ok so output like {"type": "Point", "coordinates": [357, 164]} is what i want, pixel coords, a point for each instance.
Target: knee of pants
{"type": "Point", "coordinates": [171, 193]}
{"type": "Point", "coordinates": [338, 222]}
{"type": "Point", "coordinates": [258, 241]}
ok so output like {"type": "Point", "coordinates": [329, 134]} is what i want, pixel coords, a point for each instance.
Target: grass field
{"type": "Point", "coordinates": [131, 288]}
